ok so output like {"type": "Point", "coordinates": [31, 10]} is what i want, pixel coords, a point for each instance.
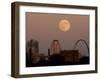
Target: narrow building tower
{"type": "Point", "coordinates": [55, 47]}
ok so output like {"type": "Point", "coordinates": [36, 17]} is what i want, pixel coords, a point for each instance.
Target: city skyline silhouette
{"type": "Point", "coordinates": [56, 55]}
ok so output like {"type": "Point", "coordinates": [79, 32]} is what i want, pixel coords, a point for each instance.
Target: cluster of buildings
{"type": "Point", "coordinates": [71, 56]}
{"type": "Point", "coordinates": [33, 56]}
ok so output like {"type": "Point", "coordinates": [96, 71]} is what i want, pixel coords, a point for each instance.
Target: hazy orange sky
{"type": "Point", "coordinates": [44, 28]}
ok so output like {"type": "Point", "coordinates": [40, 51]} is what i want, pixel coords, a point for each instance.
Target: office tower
{"type": "Point", "coordinates": [48, 52]}
{"type": "Point", "coordinates": [55, 47]}
{"type": "Point", "coordinates": [32, 51]}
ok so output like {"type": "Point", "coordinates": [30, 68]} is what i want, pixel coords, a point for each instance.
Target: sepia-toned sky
{"type": "Point", "coordinates": [44, 28]}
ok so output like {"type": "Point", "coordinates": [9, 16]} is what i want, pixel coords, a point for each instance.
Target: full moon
{"type": "Point", "coordinates": [64, 25]}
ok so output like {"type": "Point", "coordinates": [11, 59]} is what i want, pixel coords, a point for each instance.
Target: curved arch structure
{"type": "Point", "coordinates": [81, 40]}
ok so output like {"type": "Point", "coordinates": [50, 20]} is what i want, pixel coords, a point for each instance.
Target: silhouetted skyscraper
{"type": "Point", "coordinates": [55, 47]}
{"type": "Point", "coordinates": [48, 52]}
{"type": "Point", "coordinates": [35, 46]}
{"type": "Point", "coordinates": [32, 51]}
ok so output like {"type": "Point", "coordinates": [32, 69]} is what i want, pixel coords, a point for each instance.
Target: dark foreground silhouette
{"type": "Point", "coordinates": [56, 60]}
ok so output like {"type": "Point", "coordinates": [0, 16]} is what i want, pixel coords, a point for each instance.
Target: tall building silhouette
{"type": "Point", "coordinates": [55, 47]}
{"type": "Point", "coordinates": [32, 51]}
{"type": "Point", "coordinates": [35, 46]}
